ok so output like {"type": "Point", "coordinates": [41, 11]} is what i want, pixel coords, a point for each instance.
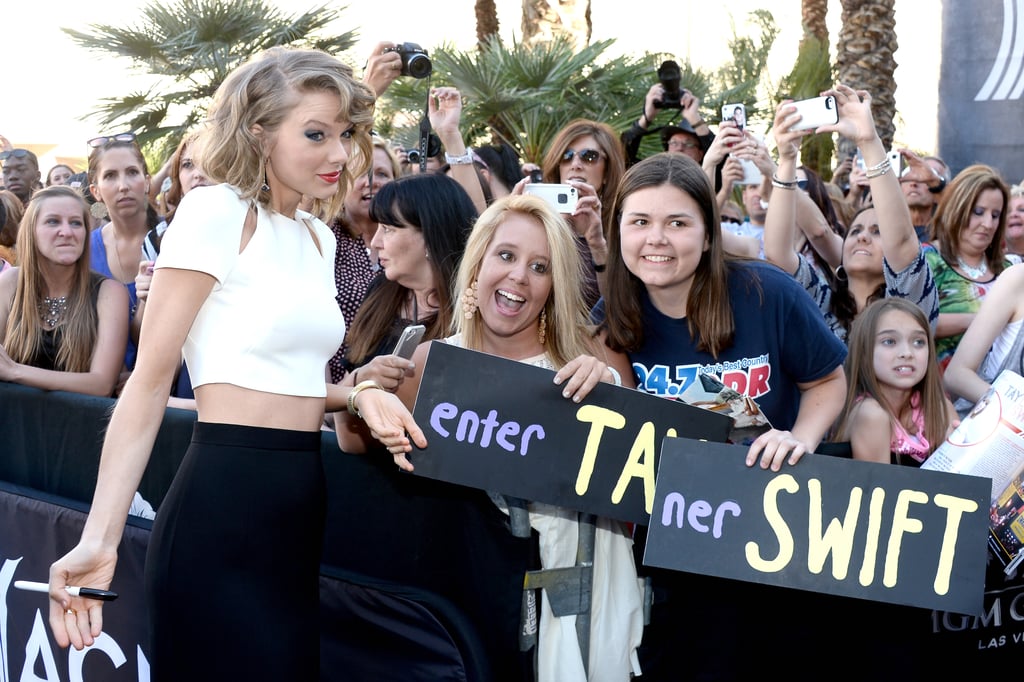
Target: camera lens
{"type": "Point", "coordinates": [413, 155]}
{"type": "Point", "coordinates": [419, 66]}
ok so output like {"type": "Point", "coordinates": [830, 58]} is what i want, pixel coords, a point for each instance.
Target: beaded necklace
{"type": "Point", "coordinates": [51, 310]}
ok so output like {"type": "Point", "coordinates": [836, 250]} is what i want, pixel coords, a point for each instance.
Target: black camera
{"type": "Point", "coordinates": [670, 76]}
{"type": "Point", "coordinates": [433, 149]}
{"type": "Point", "coordinates": [415, 61]}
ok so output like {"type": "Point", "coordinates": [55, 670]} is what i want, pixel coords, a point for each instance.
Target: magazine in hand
{"type": "Point", "coordinates": [748, 421]}
{"type": "Point", "coordinates": [989, 442]}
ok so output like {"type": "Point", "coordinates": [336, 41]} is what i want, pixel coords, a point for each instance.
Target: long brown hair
{"type": "Point", "coordinates": [954, 212]}
{"type": "Point", "coordinates": [78, 327]}
{"type": "Point", "coordinates": [614, 160]}
{"type": "Point", "coordinates": [862, 380]}
{"type": "Point", "coordinates": [13, 211]}
{"type": "Point", "coordinates": [708, 309]}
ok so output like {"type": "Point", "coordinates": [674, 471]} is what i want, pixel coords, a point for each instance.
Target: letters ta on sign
{"type": "Point", "coordinates": [503, 426]}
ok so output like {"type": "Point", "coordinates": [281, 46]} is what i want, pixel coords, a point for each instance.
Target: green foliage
{"type": "Point", "coordinates": [524, 95]}
{"type": "Point", "coordinates": [812, 73]}
{"type": "Point", "coordinates": [746, 76]}
{"type": "Point", "coordinates": [189, 46]}
{"type": "Point", "coordinates": [520, 94]}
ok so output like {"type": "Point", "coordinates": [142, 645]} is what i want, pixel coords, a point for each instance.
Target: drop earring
{"type": "Point", "coordinates": [469, 301]}
{"type": "Point", "coordinates": [542, 328]}
{"type": "Point", "coordinates": [266, 185]}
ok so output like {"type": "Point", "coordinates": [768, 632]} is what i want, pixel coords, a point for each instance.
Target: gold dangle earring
{"type": "Point", "coordinates": [469, 302]}
{"type": "Point", "coordinates": [542, 328]}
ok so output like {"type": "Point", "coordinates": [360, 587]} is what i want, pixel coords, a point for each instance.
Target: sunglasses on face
{"type": "Point", "coordinates": [586, 155]}
{"type": "Point", "coordinates": [103, 139]}
{"type": "Point", "coordinates": [14, 154]}
{"type": "Point", "coordinates": [732, 220]}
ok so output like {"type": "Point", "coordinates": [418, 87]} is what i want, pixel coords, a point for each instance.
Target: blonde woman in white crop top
{"type": "Point", "coordinates": [245, 285]}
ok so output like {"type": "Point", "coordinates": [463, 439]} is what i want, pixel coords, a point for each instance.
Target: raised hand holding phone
{"type": "Point", "coordinates": [816, 112]}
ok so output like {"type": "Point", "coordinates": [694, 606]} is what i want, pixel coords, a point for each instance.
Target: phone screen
{"type": "Point", "coordinates": [736, 113]}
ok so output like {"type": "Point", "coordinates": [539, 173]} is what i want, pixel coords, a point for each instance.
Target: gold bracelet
{"type": "Point", "coordinates": [360, 387]}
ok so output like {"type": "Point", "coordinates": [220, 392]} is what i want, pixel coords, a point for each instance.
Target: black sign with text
{"type": "Point", "coordinates": [833, 525]}
{"type": "Point", "coordinates": [503, 426]}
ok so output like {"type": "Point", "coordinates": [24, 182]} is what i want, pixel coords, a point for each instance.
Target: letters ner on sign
{"type": "Point", "coordinates": [503, 426]}
{"type": "Point", "coordinates": [832, 525]}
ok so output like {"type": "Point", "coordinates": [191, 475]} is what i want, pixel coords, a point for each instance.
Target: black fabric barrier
{"type": "Point", "coordinates": [421, 580]}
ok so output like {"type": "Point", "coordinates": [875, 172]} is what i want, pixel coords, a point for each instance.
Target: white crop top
{"type": "Point", "coordinates": [271, 322]}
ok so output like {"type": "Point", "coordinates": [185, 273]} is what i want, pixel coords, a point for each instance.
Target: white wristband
{"type": "Point", "coordinates": [464, 160]}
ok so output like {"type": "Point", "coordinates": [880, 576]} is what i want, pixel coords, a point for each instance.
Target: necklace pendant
{"type": "Point", "coordinates": [971, 271]}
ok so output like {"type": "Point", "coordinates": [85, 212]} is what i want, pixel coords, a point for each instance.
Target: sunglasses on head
{"type": "Point", "coordinates": [14, 154]}
{"type": "Point", "coordinates": [586, 155]}
{"type": "Point", "coordinates": [103, 139]}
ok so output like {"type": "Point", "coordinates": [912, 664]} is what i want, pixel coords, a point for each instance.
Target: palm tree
{"type": "Point", "coordinates": [812, 74]}
{"type": "Point", "coordinates": [545, 19]}
{"type": "Point", "coordinates": [523, 94]}
{"type": "Point", "coordinates": [486, 20]}
{"type": "Point", "coordinates": [865, 60]}
{"type": "Point", "coordinates": [189, 46]}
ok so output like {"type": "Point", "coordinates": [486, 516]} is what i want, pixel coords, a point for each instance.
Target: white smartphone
{"type": "Point", "coordinates": [410, 338]}
{"type": "Point", "coordinates": [816, 112]}
{"type": "Point", "coordinates": [896, 161]}
{"type": "Point", "coordinates": [562, 198]}
{"type": "Point", "coordinates": [737, 113]}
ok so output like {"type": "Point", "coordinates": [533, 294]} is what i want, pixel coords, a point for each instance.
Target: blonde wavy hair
{"type": "Point", "coordinates": [261, 93]}
{"type": "Point", "coordinates": [569, 333]}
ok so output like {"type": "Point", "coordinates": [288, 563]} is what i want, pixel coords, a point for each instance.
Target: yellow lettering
{"type": "Point", "coordinates": [640, 464]}
{"type": "Point", "coordinates": [599, 419]}
{"type": "Point", "coordinates": [771, 513]}
{"type": "Point", "coordinates": [867, 569]}
{"type": "Point", "coordinates": [838, 539]}
{"type": "Point", "coordinates": [955, 508]}
{"type": "Point", "coordinates": [901, 523]}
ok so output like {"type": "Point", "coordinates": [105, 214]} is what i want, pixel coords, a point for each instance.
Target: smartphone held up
{"type": "Point", "coordinates": [815, 112]}
{"type": "Point", "coordinates": [562, 198]}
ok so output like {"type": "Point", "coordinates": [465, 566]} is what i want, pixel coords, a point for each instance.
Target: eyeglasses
{"type": "Point", "coordinates": [677, 145]}
{"type": "Point", "coordinates": [586, 155]}
{"type": "Point", "coordinates": [103, 139]}
{"type": "Point", "coordinates": [14, 154]}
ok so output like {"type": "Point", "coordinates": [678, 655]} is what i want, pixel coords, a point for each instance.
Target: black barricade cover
{"type": "Point", "coordinates": [858, 529]}
{"type": "Point", "coordinates": [33, 532]}
{"type": "Point", "coordinates": [503, 426]}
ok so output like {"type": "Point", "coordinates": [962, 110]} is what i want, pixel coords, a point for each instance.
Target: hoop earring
{"type": "Point", "coordinates": [469, 301]}
{"type": "Point", "coordinates": [542, 328]}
